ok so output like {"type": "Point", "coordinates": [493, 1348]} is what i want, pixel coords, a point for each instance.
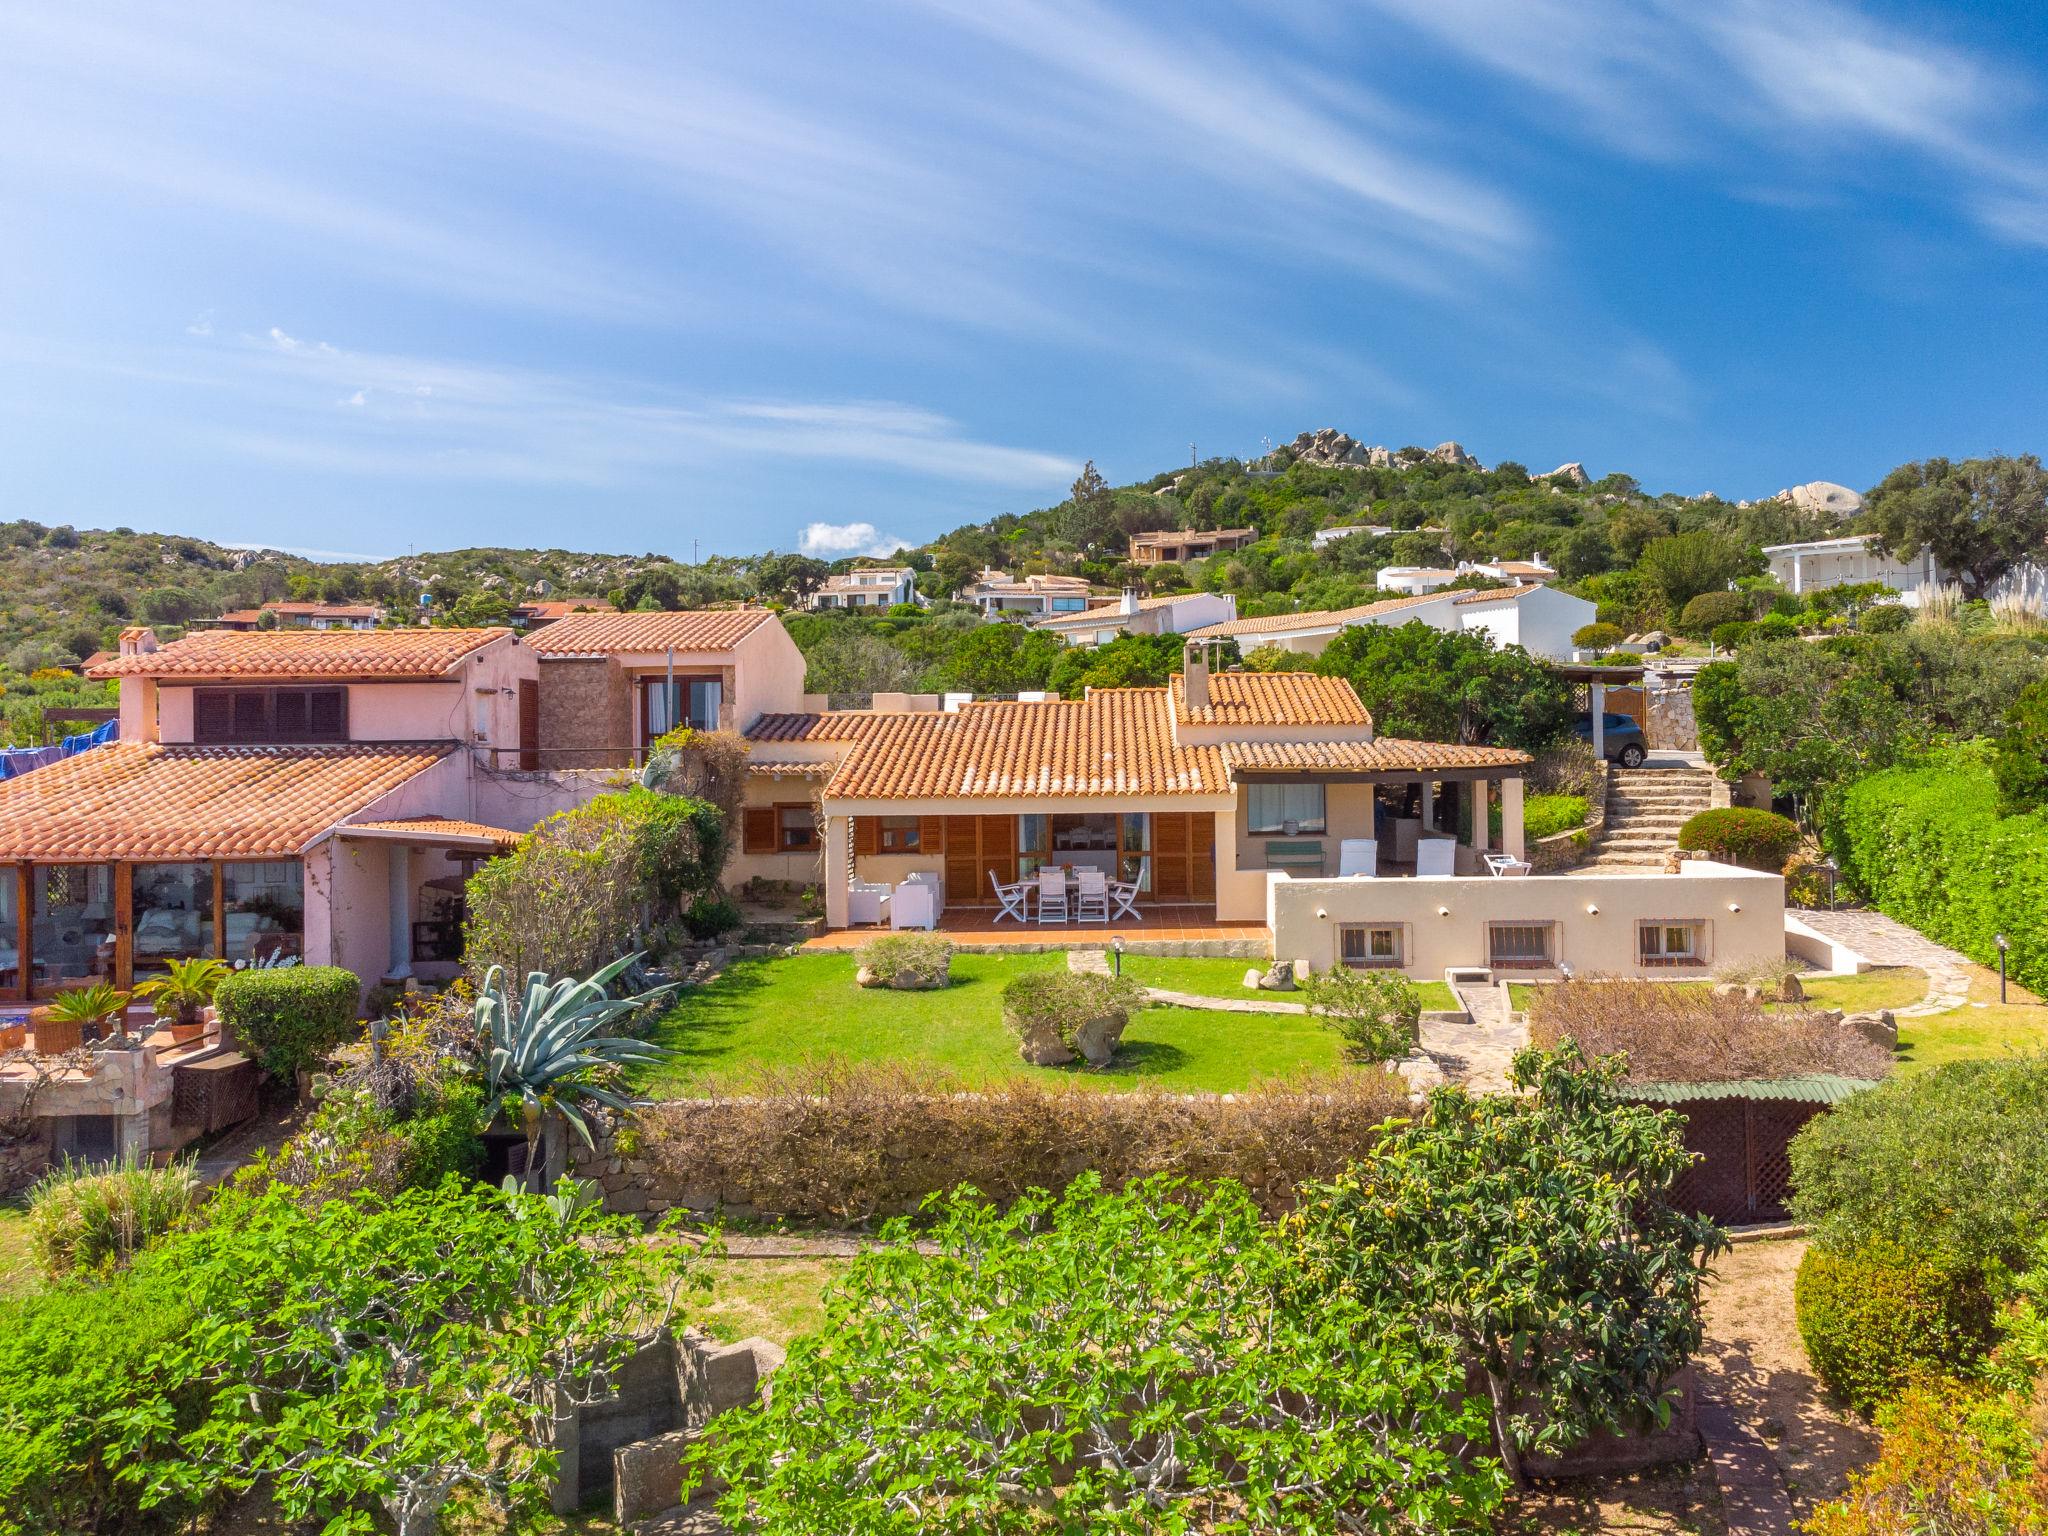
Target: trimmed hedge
{"type": "Point", "coordinates": [829, 1141]}
{"type": "Point", "coordinates": [1927, 846]}
{"type": "Point", "coordinates": [1735, 834]}
{"type": "Point", "coordinates": [1598, 636]}
{"type": "Point", "coordinates": [291, 1020]}
{"type": "Point", "coordinates": [1876, 1317]}
{"type": "Point", "coordinates": [1546, 815]}
{"type": "Point", "coordinates": [1711, 609]}
{"type": "Point", "coordinates": [1062, 1000]}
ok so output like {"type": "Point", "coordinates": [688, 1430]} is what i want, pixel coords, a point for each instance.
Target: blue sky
{"type": "Point", "coordinates": [358, 278]}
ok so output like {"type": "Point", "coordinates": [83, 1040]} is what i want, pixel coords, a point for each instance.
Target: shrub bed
{"type": "Point", "coordinates": [1927, 845]}
{"type": "Point", "coordinates": [1956, 1158]}
{"type": "Point", "coordinates": [1735, 834]}
{"type": "Point", "coordinates": [1875, 1317]}
{"type": "Point", "coordinates": [84, 1217]}
{"type": "Point", "coordinates": [290, 1020]}
{"type": "Point", "coordinates": [1547, 815]}
{"type": "Point", "coordinates": [1379, 1013]}
{"type": "Point", "coordinates": [1691, 1035]}
{"type": "Point", "coordinates": [844, 1144]}
{"type": "Point", "coordinates": [908, 960]}
{"type": "Point", "coordinates": [1059, 1015]}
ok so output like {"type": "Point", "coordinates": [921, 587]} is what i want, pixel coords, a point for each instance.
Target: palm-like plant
{"type": "Point", "coordinates": [548, 1057]}
{"type": "Point", "coordinates": [94, 1005]}
{"type": "Point", "coordinates": [185, 987]}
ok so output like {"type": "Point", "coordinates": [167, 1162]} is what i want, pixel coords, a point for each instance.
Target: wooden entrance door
{"type": "Point", "coordinates": [976, 848]}
{"type": "Point", "coordinates": [529, 725]}
{"type": "Point", "coordinates": [1183, 856]}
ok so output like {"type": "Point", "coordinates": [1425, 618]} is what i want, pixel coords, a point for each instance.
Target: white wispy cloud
{"type": "Point", "coordinates": [436, 418]}
{"type": "Point", "coordinates": [836, 541]}
{"type": "Point", "coordinates": [1678, 78]}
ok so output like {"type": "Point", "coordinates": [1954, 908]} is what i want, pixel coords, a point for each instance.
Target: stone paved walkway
{"type": "Point", "coordinates": [1477, 1054]}
{"type": "Point", "coordinates": [1885, 940]}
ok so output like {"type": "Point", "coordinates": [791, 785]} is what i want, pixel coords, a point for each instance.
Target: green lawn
{"type": "Point", "coordinates": [780, 1011]}
{"type": "Point", "coordinates": [764, 1298]}
{"type": "Point", "coordinates": [17, 1268]}
{"type": "Point", "coordinates": [1981, 1027]}
{"type": "Point", "coordinates": [1207, 977]}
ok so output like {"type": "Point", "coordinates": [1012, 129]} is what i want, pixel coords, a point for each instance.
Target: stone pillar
{"type": "Point", "coordinates": [1428, 802]}
{"type": "Point", "coordinates": [400, 901]}
{"type": "Point", "coordinates": [838, 868]}
{"type": "Point", "coordinates": [1512, 841]}
{"type": "Point", "coordinates": [1599, 719]}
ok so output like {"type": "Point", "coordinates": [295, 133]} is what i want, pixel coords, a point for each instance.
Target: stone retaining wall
{"type": "Point", "coordinates": [1562, 850]}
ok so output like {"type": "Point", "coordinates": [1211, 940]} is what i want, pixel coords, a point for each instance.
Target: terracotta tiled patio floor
{"type": "Point", "coordinates": [977, 925]}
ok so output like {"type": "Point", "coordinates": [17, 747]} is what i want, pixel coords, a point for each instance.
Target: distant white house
{"type": "Point", "coordinates": [1538, 618]}
{"type": "Point", "coordinates": [1177, 613]}
{"type": "Point", "coordinates": [1032, 597]}
{"type": "Point", "coordinates": [1327, 536]}
{"type": "Point", "coordinates": [1414, 580]}
{"type": "Point", "coordinates": [871, 586]}
{"type": "Point", "coordinates": [1818, 563]}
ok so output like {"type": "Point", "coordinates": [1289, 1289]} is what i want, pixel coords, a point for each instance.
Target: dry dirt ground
{"type": "Point", "coordinates": [1753, 1360]}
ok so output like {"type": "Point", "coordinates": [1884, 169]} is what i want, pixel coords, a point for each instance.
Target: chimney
{"type": "Point", "coordinates": [138, 640]}
{"type": "Point", "coordinates": [1129, 605]}
{"type": "Point", "coordinates": [1195, 675]}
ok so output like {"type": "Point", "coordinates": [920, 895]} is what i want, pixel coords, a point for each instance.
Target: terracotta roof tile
{"type": "Point", "coordinates": [1272, 698]}
{"type": "Point", "coordinates": [296, 653]}
{"type": "Point", "coordinates": [1332, 618]}
{"type": "Point", "coordinates": [1382, 754]}
{"type": "Point", "coordinates": [136, 800]}
{"type": "Point", "coordinates": [439, 826]}
{"type": "Point", "coordinates": [830, 725]}
{"type": "Point", "coordinates": [1117, 742]}
{"type": "Point", "coordinates": [612, 634]}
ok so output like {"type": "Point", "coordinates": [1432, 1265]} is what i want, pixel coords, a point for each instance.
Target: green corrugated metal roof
{"type": "Point", "coordinates": [1813, 1088]}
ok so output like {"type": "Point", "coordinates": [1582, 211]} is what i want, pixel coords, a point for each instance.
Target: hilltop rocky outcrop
{"type": "Point", "coordinates": [1331, 449]}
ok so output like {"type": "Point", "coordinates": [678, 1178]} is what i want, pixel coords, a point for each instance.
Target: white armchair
{"type": "Point", "coordinates": [913, 905]}
{"type": "Point", "coordinates": [1436, 856]}
{"type": "Point", "coordinates": [1358, 856]}
{"type": "Point", "coordinates": [866, 902]}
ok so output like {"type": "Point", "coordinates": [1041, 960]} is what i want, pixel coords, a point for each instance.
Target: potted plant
{"type": "Point", "coordinates": [71, 1018]}
{"type": "Point", "coordinates": [182, 994]}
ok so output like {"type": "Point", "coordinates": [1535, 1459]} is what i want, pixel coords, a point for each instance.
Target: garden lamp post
{"type": "Point", "coordinates": [1831, 869]}
{"type": "Point", "coordinates": [2000, 940]}
{"type": "Point", "coordinates": [1116, 949]}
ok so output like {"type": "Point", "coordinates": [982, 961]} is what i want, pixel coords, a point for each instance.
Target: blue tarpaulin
{"type": "Point", "coordinates": [15, 761]}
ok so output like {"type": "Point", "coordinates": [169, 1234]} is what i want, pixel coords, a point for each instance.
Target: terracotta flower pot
{"type": "Point", "coordinates": [13, 1036]}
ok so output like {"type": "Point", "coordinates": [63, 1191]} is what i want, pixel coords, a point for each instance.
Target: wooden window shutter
{"type": "Point", "coordinates": [867, 832]}
{"type": "Point", "coordinates": [931, 834]}
{"type": "Point", "coordinates": [760, 833]}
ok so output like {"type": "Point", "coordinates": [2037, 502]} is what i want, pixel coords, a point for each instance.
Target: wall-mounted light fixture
{"type": "Point", "coordinates": [1443, 911]}
{"type": "Point", "coordinates": [1592, 909]}
{"type": "Point", "coordinates": [1321, 913]}
{"type": "Point", "coordinates": [1734, 906]}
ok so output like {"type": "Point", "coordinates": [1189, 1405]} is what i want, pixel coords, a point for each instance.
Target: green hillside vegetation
{"type": "Point", "coordinates": [1690, 565]}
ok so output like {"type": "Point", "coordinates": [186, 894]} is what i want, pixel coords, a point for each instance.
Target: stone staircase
{"type": "Point", "coordinates": [1645, 809]}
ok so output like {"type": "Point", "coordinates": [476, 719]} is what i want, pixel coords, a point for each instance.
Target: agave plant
{"type": "Point", "coordinates": [549, 1058]}
{"type": "Point", "coordinates": [185, 987]}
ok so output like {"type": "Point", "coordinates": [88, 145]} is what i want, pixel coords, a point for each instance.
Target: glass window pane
{"type": "Point", "coordinates": [705, 694]}
{"type": "Point", "coordinates": [1137, 832]}
{"type": "Point", "coordinates": [290, 723]}
{"type": "Point", "coordinates": [1285, 808]}
{"type": "Point", "coordinates": [265, 907]}
{"type": "Point", "coordinates": [173, 914]}
{"type": "Point", "coordinates": [10, 929]}
{"type": "Point", "coordinates": [73, 915]}
{"type": "Point", "coordinates": [325, 715]}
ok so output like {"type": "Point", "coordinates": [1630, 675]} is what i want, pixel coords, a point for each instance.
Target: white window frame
{"type": "Point", "coordinates": [1396, 934]}
{"type": "Point", "coordinates": [1305, 826]}
{"type": "Point", "coordinates": [1657, 930]}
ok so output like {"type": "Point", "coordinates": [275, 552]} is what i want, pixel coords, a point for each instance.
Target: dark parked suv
{"type": "Point", "coordinates": [1621, 737]}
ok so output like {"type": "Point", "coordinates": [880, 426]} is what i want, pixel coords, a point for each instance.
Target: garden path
{"type": "Point", "coordinates": [1095, 962]}
{"type": "Point", "coordinates": [1477, 1054]}
{"type": "Point", "coordinates": [1885, 940]}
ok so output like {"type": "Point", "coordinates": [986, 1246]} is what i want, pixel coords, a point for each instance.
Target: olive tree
{"type": "Point", "coordinates": [1528, 1232]}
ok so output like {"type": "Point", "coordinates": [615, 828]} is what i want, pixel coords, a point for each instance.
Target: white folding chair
{"type": "Point", "coordinates": [1092, 901]}
{"type": "Point", "coordinates": [1014, 899]}
{"type": "Point", "coordinates": [1358, 856]}
{"type": "Point", "coordinates": [1436, 856]}
{"type": "Point", "coordinates": [1052, 896]}
{"type": "Point", "coordinates": [1125, 894]}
